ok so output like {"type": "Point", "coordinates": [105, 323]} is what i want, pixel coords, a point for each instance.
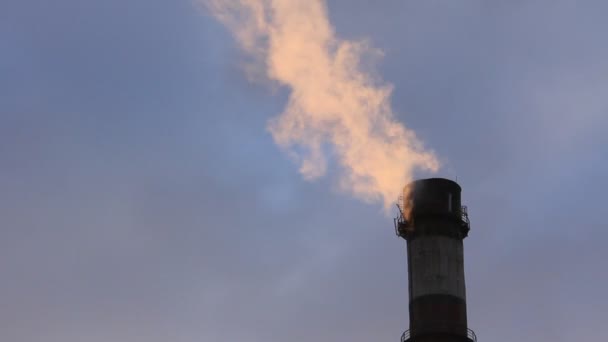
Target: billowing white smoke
{"type": "Point", "coordinates": [334, 104]}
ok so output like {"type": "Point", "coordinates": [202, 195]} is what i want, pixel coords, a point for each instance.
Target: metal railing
{"type": "Point", "coordinates": [404, 227]}
{"type": "Point", "coordinates": [407, 334]}
{"type": "Point", "coordinates": [465, 215]}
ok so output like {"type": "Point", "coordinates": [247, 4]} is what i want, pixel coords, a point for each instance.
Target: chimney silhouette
{"type": "Point", "coordinates": [434, 224]}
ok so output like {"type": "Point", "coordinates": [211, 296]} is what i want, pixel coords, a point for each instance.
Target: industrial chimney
{"type": "Point", "coordinates": [434, 224]}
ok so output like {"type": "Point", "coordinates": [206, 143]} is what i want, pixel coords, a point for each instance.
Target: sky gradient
{"type": "Point", "coordinates": [142, 197]}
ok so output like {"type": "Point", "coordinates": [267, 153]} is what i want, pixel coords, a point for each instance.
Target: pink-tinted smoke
{"type": "Point", "coordinates": [334, 104]}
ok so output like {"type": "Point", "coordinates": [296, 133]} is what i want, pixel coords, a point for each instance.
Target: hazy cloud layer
{"type": "Point", "coordinates": [143, 200]}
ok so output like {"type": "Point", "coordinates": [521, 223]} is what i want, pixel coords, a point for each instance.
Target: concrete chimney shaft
{"type": "Point", "coordinates": [434, 224]}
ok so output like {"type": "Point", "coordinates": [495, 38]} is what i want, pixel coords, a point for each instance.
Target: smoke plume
{"type": "Point", "coordinates": [336, 108]}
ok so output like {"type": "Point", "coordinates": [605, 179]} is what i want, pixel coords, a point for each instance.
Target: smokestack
{"type": "Point", "coordinates": [434, 224]}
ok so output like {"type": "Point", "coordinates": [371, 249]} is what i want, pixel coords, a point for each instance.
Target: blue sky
{"type": "Point", "coordinates": [143, 199]}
